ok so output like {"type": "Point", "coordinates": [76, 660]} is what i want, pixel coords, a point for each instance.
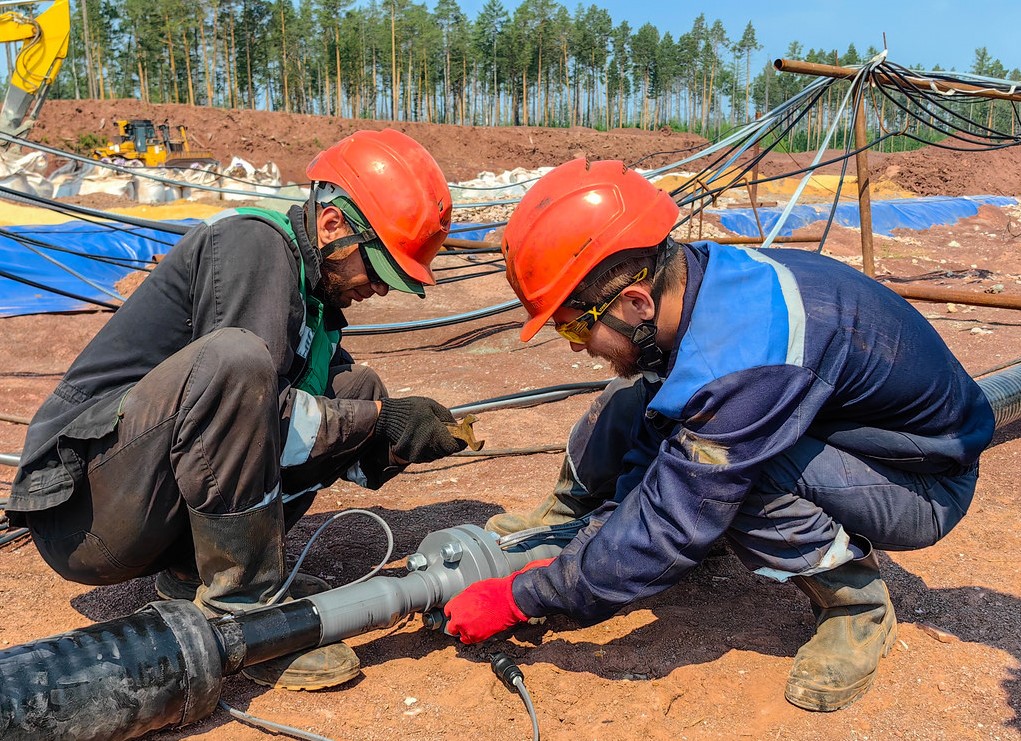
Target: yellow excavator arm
{"type": "Point", "coordinates": [44, 40]}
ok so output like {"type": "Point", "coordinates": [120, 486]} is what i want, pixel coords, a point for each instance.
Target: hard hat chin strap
{"type": "Point", "coordinates": [650, 355]}
{"type": "Point", "coordinates": [643, 336]}
{"type": "Point", "coordinates": [326, 193]}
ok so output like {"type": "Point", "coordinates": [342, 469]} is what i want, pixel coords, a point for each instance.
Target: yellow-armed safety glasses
{"type": "Point", "coordinates": [579, 331]}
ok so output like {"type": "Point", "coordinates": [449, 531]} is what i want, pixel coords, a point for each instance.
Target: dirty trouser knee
{"type": "Point", "coordinates": [201, 430]}
{"type": "Point", "coordinates": [808, 501]}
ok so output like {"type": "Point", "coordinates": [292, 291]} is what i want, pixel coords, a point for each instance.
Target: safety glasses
{"type": "Point", "coordinates": [579, 331]}
{"type": "Point", "coordinates": [370, 271]}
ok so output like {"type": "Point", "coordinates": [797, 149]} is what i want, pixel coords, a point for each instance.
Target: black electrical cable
{"type": "Point", "coordinates": [31, 245]}
{"type": "Point", "coordinates": [452, 252]}
{"type": "Point", "coordinates": [456, 278]}
{"type": "Point", "coordinates": [443, 321]}
{"type": "Point", "coordinates": [132, 263]}
{"type": "Point", "coordinates": [952, 130]}
{"type": "Point", "coordinates": [513, 679]}
{"type": "Point", "coordinates": [140, 172]}
{"type": "Point", "coordinates": [61, 292]}
{"type": "Point", "coordinates": [532, 397]}
{"type": "Point", "coordinates": [471, 263]}
{"type": "Point", "coordinates": [898, 76]}
{"type": "Point", "coordinates": [129, 263]}
{"type": "Point", "coordinates": [97, 217]}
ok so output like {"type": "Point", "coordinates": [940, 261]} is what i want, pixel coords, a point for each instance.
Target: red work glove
{"type": "Point", "coordinates": [486, 607]}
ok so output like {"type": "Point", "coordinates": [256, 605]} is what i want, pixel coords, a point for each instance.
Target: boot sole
{"type": "Point", "coordinates": [826, 700]}
{"type": "Point", "coordinates": [306, 682]}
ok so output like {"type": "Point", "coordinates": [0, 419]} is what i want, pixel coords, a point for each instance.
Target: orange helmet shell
{"type": "Point", "coordinates": [572, 219]}
{"type": "Point", "coordinates": [399, 188]}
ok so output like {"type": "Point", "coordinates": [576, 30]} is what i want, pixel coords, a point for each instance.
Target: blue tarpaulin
{"type": "Point", "coordinates": [132, 247]}
{"type": "Point", "coordinates": [905, 213]}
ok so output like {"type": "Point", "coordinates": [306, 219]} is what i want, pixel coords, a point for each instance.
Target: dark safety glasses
{"type": "Point", "coordinates": [370, 271]}
{"type": "Point", "coordinates": [579, 331]}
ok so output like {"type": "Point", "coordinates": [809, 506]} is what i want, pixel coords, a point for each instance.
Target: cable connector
{"type": "Point", "coordinates": [504, 667]}
{"type": "Point", "coordinates": [512, 678]}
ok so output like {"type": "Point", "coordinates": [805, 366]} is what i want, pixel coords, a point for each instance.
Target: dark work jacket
{"type": "Point", "coordinates": [235, 272]}
{"type": "Point", "coordinates": [774, 345]}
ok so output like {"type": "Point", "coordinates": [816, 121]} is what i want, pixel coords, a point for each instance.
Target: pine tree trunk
{"type": "Point", "coordinates": [393, 56]}
{"type": "Point", "coordinates": [187, 70]}
{"type": "Point", "coordinates": [205, 62]}
{"type": "Point", "coordinates": [283, 61]}
{"type": "Point", "coordinates": [173, 63]}
{"type": "Point", "coordinates": [340, 88]}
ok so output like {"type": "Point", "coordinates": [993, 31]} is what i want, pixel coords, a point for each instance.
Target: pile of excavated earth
{"type": "Point", "coordinates": [705, 659]}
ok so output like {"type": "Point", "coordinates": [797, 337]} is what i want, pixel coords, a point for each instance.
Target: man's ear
{"type": "Point", "coordinates": [331, 224]}
{"type": "Point", "coordinates": [637, 305]}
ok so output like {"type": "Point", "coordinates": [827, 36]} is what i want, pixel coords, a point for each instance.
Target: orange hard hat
{"type": "Point", "coordinates": [572, 219]}
{"type": "Point", "coordinates": [399, 188]}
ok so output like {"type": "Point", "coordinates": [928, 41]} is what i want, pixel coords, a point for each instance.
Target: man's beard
{"type": "Point", "coordinates": [334, 284]}
{"type": "Point", "coordinates": [623, 359]}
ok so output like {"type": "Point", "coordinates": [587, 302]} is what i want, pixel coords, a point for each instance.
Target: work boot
{"type": "Point", "coordinates": [855, 628]}
{"type": "Point", "coordinates": [179, 584]}
{"type": "Point", "coordinates": [560, 507]}
{"type": "Point", "coordinates": [240, 561]}
{"type": "Point", "coordinates": [319, 668]}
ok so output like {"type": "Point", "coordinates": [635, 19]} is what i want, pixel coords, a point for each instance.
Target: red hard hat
{"type": "Point", "coordinates": [399, 188]}
{"type": "Point", "coordinates": [572, 219]}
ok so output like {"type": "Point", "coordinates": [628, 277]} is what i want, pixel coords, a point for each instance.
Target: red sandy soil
{"type": "Point", "coordinates": [706, 659]}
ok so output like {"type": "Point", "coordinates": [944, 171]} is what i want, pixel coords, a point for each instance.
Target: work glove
{"type": "Point", "coordinates": [486, 607]}
{"type": "Point", "coordinates": [416, 428]}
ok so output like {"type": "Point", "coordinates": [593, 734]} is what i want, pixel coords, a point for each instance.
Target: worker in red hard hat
{"type": "Point", "coordinates": [784, 402]}
{"type": "Point", "coordinates": [198, 425]}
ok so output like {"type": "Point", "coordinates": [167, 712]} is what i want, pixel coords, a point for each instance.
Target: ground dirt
{"type": "Point", "coordinates": [708, 658]}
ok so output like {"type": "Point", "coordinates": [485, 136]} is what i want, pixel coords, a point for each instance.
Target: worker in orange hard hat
{"type": "Point", "coordinates": [784, 401]}
{"type": "Point", "coordinates": [198, 425]}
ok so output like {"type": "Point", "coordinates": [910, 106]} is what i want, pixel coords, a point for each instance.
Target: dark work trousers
{"type": "Point", "coordinates": [805, 504]}
{"type": "Point", "coordinates": [202, 431]}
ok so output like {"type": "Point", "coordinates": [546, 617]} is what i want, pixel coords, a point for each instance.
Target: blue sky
{"type": "Point", "coordinates": [917, 33]}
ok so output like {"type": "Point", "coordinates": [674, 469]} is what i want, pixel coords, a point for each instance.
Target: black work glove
{"type": "Point", "coordinates": [417, 429]}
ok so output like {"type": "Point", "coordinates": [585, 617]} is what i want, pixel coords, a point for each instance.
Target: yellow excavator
{"type": "Point", "coordinates": [44, 41]}
{"type": "Point", "coordinates": [151, 144]}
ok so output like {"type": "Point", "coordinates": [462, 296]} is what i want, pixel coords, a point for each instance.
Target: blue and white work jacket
{"type": "Point", "coordinates": [773, 345]}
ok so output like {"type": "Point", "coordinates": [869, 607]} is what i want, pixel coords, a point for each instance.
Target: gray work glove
{"type": "Point", "coordinates": [417, 429]}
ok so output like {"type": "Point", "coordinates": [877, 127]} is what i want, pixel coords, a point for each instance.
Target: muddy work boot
{"type": "Point", "coordinates": [316, 669]}
{"type": "Point", "coordinates": [180, 584]}
{"type": "Point", "coordinates": [560, 507]}
{"type": "Point", "coordinates": [240, 561]}
{"type": "Point", "coordinates": [855, 628]}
